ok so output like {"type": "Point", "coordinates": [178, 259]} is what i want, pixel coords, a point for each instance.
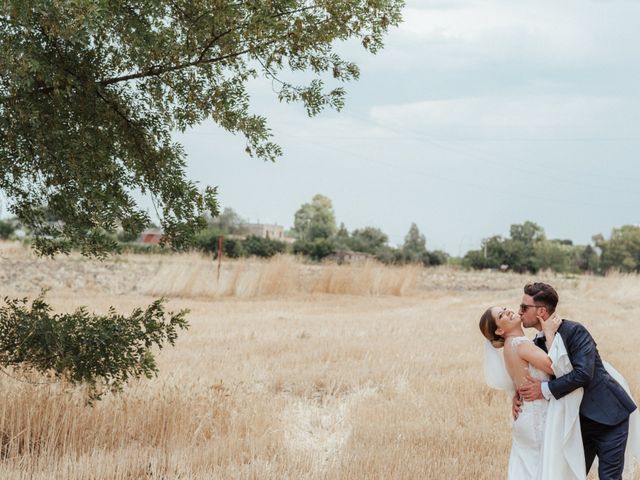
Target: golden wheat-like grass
{"type": "Point", "coordinates": [195, 276]}
{"type": "Point", "coordinates": [291, 371]}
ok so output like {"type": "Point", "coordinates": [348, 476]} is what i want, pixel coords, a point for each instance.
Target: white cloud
{"type": "Point", "coordinates": [504, 115]}
{"type": "Point", "coordinates": [540, 34]}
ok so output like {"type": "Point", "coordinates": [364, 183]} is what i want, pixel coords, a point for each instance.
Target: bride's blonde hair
{"type": "Point", "coordinates": [488, 328]}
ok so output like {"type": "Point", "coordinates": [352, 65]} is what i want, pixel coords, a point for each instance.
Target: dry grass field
{"type": "Point", "coordinates": [290, 371]}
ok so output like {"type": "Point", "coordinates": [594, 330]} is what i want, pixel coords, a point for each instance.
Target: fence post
{"type": "Point", "coordinates": [220, 239]}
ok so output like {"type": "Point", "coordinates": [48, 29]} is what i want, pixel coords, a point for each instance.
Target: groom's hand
{"type": "Point", "coordinates": [516, 404]}
{"type": "Point", "coordinates": [531, 390]}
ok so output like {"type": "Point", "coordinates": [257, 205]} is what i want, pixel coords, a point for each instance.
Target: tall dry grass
{"type": "Point", "coordinates": [194, 276]}
{"type": "Point", "coordinates": [282, 384]}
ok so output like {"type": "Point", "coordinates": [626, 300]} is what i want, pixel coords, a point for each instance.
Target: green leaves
{"type": "Point", "coordinates": [102, 352]}
{"type": "Point", "coordinates": [91, 91]}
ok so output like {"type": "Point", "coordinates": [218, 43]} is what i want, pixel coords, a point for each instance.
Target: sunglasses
{"type": "Point", "coordinates": [524, 307]}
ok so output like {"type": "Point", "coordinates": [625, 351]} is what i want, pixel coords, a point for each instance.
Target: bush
{"type": "Point", "coordinates": [231, 248]}
{"type": "Point", "coordinates": [6, 229]}
{"type": "Point", "coordinates": [475, 259]}
{"type": "Point", "coordinates": [435, 258]}
{"type": "Point", "coordinates": [127, 237]}
{"type": "Point", "coordinates": [262, 247]}
{"type": "Point", "coordinates": [100, 351]}
{"type": "Point", "coordinates": [206, 240]}
{"type": "Point", "coordinates": [389, 255]}
{"type": "Point", "coordinates": [316, 249]}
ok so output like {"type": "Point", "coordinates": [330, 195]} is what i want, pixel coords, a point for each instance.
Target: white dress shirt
{"type": "Point", "coordinates": [544, 386]}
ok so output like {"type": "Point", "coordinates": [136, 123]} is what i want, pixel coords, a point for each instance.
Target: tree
{"type": "Point", "coordinates": [315, 220]}
{"type": "Point", "coordinates": [315, 249]}
{"type": "Point", "coordinates": [588, 259]}
{"type": "Point", "coordinates": [414, 248]}
{"type": "Point", "coordinates": [435, 258]}
{"type": "Point", "coordinates": [496, 252]}
{"type": "Point", "coordinates": [229, 222]}
{"type": "Point", "coordinates": [368, 240]}
{"type": "Point", "coordinates": [556, 255]}
{"type": "Point", "coordinates": [342, 237]}
{"type": "Point", "coordinates": [90, 92]}
{"type": "Point", "coordinates": [527, 233]}
{"type": "Point", "coordinates": [262, 247]}
{"type": "Point", "coordinates": [622, 250]}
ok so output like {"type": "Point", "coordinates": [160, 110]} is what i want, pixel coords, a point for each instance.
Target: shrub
{"type": "Point", "coordinates": [6, 229]}
{"type": "Point", "coordinates": [127, 237]}
{"type": "Point", "coordinates": [316, 249]}
{"type": "Point", "coordinates": [262, 247]}
{"type": "Point", "coordinates": [389, 255]}
{"type": "Point", "coordinates": [435, 258]}
{"type": "Point", "coordinates": [206, 240]}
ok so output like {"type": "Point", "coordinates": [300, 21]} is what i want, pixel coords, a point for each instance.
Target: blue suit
{"type": "Point", "coordinates": [605, 407]}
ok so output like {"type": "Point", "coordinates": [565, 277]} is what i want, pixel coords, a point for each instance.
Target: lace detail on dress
{"type": "Point", "coordinates": [515, 341]}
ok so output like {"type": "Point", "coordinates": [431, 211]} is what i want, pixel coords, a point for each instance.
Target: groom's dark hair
{"type": "Point", "coordinates": [543, 294]}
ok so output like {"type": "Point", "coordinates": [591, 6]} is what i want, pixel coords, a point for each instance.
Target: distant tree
{"type": "Point", "coordinates": [622, 250]}
{"type": "Point", "coordinates": [315, 249]}
{"type": "Point", "coordinates": [262, 247]}
{"type": "Point", "coordinates": [555, 255]}
{"type": "Point", "coordinates": [315, 220]}
{"type": "Point", "coordinates": [435, 258]}
{"type": "Point", "coordinates": [475, 259]}
{"type": "Point", "coordinates": [229, 222]}
{"type": "Point", "coordinates": [367, 240]}
{"type": "Point", "coordinates": [342, 237]}
{"type": "Point", "coordinates": [588, 259]}
{"type": "Point", "coordinates": [562, 241]}
{"type": "Point", "coordinates": [527, 233]}
{"type": "Point", "coordinates": [498, 252]}
{"type": "Point", "coordinates": [415, 245]}
{"type": "Point", "coordinates": [389, 255]}
{"type": "Point", "coordinates": [206, 240]}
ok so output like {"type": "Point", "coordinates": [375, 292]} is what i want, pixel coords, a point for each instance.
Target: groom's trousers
{"type": "Point", "coordinates": [608, 442]}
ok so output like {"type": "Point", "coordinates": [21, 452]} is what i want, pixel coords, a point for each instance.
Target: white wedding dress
{"type": "Point", "coordinates": [527, 433]}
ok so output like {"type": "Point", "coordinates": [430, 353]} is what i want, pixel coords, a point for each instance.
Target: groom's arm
{"type": "Point", "coordinates": [582, 352]}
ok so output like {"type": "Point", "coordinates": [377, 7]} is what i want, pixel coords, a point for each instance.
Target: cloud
{"type": "Point", "coordinates": [508, 35]}
{"type": "Point", "coordinates": [526, 115]}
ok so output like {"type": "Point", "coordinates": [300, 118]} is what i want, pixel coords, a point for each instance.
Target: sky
{"type": "Point", "coordinates": [476, 115]}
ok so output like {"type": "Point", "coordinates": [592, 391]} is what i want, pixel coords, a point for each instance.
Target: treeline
{"type": "Point", "coordinates": [528, 250]}
{"type": "Point", "coordinates": [316, 235]}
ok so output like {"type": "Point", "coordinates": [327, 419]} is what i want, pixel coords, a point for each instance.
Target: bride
{"type": "Point", "coordinates": [547, 442]}
{"type": "Point", "coordinates": [503, 329]}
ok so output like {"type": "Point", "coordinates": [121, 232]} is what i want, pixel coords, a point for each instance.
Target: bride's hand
{"type": "Point", "coordinates": [550, 325]}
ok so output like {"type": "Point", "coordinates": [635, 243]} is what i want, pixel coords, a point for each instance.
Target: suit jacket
{"type": "Point", "coordinates": [604, 400]}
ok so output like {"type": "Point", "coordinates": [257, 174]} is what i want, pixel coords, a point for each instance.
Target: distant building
{"type": "Point", "coordinates": [151, 235]}
{"type": "Point", "coordinates": [274, 232]}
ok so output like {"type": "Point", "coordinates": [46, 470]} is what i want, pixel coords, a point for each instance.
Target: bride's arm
{"type": "Point", "coordinates": [535, 356]}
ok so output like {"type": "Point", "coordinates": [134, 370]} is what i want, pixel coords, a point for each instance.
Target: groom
{"type": "Point", "coordinates": [605, 407]}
